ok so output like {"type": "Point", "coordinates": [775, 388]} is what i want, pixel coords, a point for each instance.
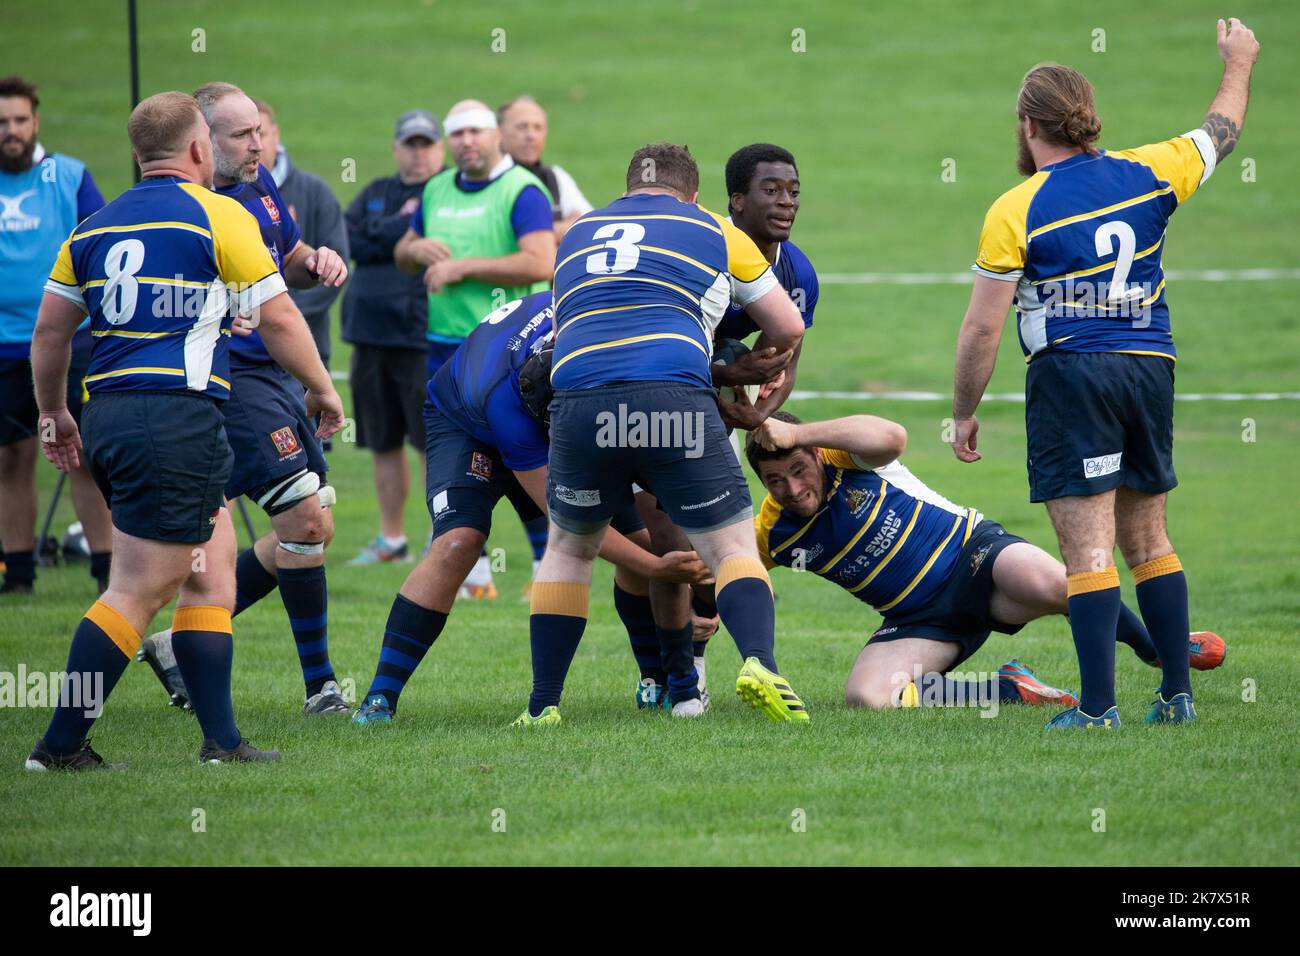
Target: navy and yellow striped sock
{"type": "Point", "coordinates": [1162, 598]}
{"type": "Point", "coordinates": [305, 598]}
{"type": "Point", "coordinates": [103, 643]}
{"type": "Point", "coordinates": [536, 529]}
{"type": "Point", "coordinates": [408, 635]}
{"type": "Point", "coordinates": [555, 626]}
{"type": "Point", "coordinates": [634, 611]}
{"type": "Point", "coordinates": [204, 649]}
{"type": "Point", "coordinates": [744, 596]}
{"type": "Point", "coordinates": [252, 581]}
{"type": "Point", "coordinates": [1094, 602]}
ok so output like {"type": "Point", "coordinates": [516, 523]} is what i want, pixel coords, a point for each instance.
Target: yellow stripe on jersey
{"type": "Point", "coordinates": [628, 341]}
{"type": "Point", "coordinates": [624, 308]}
{"type": "Point", "coordinates": [1141, 352]}
{"type": "Point", "coordinates": [183, 226]}
{"type": "Point", "coordinates": [898, 546]}
{"type": "Point", "coordinates": [242, 256]}
{"type": "Point", "coordinates": [769, 512]}
{"type": "Point", "coordinates": [970, 526]}
{"type": "Point", "coordinates": [155, 280]}
{"type": "Point", "coordinates": [1176, 161]}
{"type": "Point", "coordinates": [839, 458]}
{"type": "Point", "coordinates": [1104, 266]}
{"type": "Point", "coordinates": [123, 334]}
{"type": "Point", "coordinates": [140, 370]}
{"type": "Point", "coordinates": [1093, 214]}
{"type": "Point", "coordinates": [1109, 308]}
{"type": "Point", "coordinates": [934, 556]}
{"type": "Point", "coordinates": [1002, 246]}
{"type": "Point", "coordinates": [629, 278]}
{"type": "Point", "coordinates": [744, 261]}
{"type": "Point", "coordinates": [880, 500]}
{"type": "Point", "coordinates": [697, 222]}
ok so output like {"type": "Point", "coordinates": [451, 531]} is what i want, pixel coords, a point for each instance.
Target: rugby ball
{"type": "Point", "coordinates": [726, 351]}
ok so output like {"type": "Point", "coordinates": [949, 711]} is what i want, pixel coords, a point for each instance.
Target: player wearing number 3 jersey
{"type": "Point", "coordinates": [640, 287]}
{"type": "Point", "coordinates": [1079, 246]}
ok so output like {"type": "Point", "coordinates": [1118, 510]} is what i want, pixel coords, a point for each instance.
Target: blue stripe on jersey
{"type": "Point", "coordinates": [1093, 216]}
{"type": "Point", "coordinates": [279, 232]}
{"type": "Point", "coordinates": [141, 338]}
{"type": "Point", "coordinates": [874, 539]}
{"type": "Point", "coordinates": [628, 284]}
{"type": "Point", "coordinates": [799, 279]}
{"type": "Point", "coordinates": [478, 387]}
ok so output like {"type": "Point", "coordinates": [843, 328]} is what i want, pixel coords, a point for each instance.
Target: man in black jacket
{"type": "Point", "coordinates": [385, 315]}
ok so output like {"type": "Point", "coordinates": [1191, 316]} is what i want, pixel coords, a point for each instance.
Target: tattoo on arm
{"type": "Point", "coordinates": [1223, 132]}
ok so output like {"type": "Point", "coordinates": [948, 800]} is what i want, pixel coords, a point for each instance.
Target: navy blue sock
{"type": "Point", "coordinates": [634, 611]}
{"type": "Point", "coordinates": [559, 616]}
{"type": "Point", "coordinates": [305, 598]}
{"type": "Point", "coordinates": [1162, 598]}
{"type": "Point", "coordinates": [1094, 602]}
{"type": "Point", "coordinates": [20, 567]}
{"type": "Point", "coordinates": [698, 647]}
{"type": "Point", "coordinates": [408, 635]}
{"type": "Point", "coordinates": [103, 644]}
{"type": "Point", "coordinates": [1131, 631]}
{"type": "Point", "coordinates": [745, 605]}
{"type": "Point", "coordinates": [536, 530]}
{"type": "Point", "coordinates": [204, 652]}
{"type": "Point", "coordinates": [678, 658]}
{"type": "Point", "coordinates": [252, 581]}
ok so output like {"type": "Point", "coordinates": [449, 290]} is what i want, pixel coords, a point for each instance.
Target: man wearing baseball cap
{"type": "Point", "coordinates": [385, 317]}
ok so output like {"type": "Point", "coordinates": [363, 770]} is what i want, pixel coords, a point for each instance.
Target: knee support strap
{"type": "Point", "coordinates": [279, 496]}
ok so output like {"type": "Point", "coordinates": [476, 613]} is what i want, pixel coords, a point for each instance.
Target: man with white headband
{"type": "Point", "coordinates": [482, 237]}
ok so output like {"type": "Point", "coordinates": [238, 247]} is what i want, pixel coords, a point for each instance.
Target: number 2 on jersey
{"type": "Point", "coordinates": [1123, 232]}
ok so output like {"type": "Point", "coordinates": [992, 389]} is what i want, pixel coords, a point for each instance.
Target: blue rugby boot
{"type": "Point", "coordinates": [375, 710]}
{"type": "Point", "coordinates": [1074, 717]}
{"type": "Point", "coordinates": [1178, 710]}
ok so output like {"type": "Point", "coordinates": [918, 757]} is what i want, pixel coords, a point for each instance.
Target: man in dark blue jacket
{"type": "Point", "coordinates": [385, 315]}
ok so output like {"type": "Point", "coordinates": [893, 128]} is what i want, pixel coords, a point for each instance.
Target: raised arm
{"type": "Point", "coordinates": [1227, 113]}
{"type": "Point", "coordinates": [871, 440]}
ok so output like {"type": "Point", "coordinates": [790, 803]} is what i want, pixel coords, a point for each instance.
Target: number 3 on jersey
{"type": "Point", "coordinates": [121, 290]}
{"type": "Point", "coordinates": [622, 237]}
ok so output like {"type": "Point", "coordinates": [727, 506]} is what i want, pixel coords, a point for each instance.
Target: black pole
{"type": "Point", "coordinates": [135, 73]}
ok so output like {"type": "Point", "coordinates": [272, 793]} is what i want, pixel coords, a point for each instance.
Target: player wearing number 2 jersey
{"type": "Point", "coordinates": [161, 271]}
{"type": "Point", "coordinates": [1079, 245]}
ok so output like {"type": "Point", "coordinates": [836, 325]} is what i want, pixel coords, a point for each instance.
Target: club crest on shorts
{"type": "Point", "coordinates": [480, 466]}
{"type": "Point", "coordinates": [977, 559]}
{"type": "Point", "coordinates": [271, 208]}
{"type": "Point", "coordinates": [286, 442]}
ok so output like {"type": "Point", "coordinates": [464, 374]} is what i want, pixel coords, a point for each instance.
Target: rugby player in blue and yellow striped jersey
{"type": "Point", "coordinates": [842, 505]}
{"type": "Point", "coordinates": [640, 287]}
{"type": "Point", "coordinates": [161, 271]}
{"type": "Point", "coordinates": [1079, 246]}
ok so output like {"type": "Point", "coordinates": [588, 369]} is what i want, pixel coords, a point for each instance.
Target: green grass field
{"type": "Point", "coordinates": [878, 101]}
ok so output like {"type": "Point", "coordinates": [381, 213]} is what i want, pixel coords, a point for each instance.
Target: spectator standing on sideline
{"type": "Point", "coordinates": [523, 136]}
{"type": "Point", "coordinates": [385, 318]}
{"type": "Point", "coordinates": [320, 221]}
{"type": "Point", "coordinates": [43, 196]}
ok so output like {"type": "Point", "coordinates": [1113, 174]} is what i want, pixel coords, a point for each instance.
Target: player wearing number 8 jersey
{"type": "Point", "coordinates": [1078, 245]}
{"type": "Point", "coordinates": [640, 287]}
{"type": "Point", "coordinates": [161, 271]}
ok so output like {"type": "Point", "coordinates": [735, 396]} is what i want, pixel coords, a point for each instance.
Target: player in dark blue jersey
{"type": "Point", "coordinates": [278, 461]}
{"type": "Point", "coordinates": [485, 440]}
{"type": "Point", "coordinates": [161, 271]}
{"type": "Point", "coordinates": [1078, 246]}
{"type": "Point", "coordinates": [640, 287]}
{"type": "Point", "coordinates": [842, 505]}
